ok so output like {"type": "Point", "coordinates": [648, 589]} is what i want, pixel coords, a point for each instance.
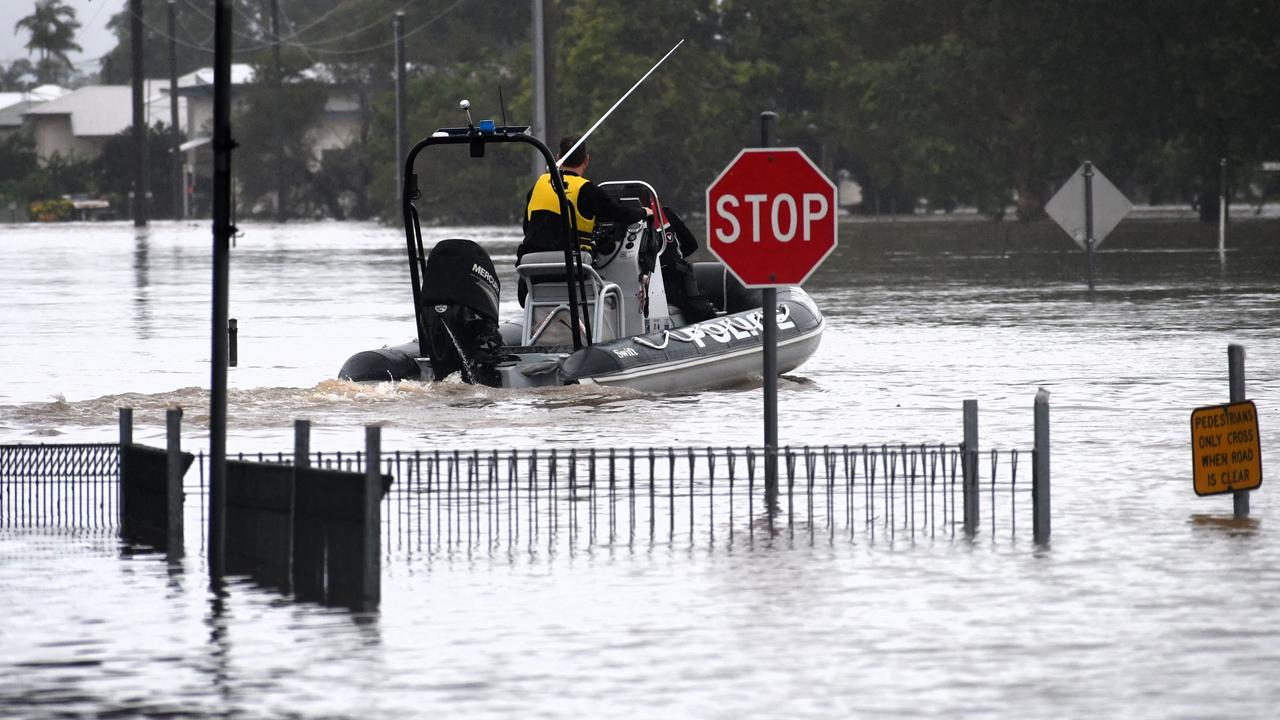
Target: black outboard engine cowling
{"type": "Point", "coordinates": [459, 304]}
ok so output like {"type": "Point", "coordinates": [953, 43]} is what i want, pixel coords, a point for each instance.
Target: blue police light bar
{"type": "Point", "coordinates": [486, 127]}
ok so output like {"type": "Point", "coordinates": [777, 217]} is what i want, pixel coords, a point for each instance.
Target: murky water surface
{"type": "Point", "coordinates": [1147, 604]}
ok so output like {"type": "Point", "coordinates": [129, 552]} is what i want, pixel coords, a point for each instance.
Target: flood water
{"type": "Point", "coordinates": [1147, 603]}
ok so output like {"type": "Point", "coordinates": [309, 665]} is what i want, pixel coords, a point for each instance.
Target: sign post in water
{"type": "Point", "coordinates": [1226, 454]}
{"type": "Point", "coordinates": [771, 219]}
{"type": "Point", "coordinates": [1088, 207]}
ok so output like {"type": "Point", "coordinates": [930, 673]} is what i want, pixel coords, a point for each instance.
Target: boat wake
{"type": "Point", "coordinates": [406, 404]}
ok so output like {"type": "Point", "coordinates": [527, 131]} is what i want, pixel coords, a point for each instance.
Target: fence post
{"type": "Point", "coordinates": [970, 465]}
{"type": "Point", "coordinates": [302, 443]}
{"type": "Point", "coordinates": [372, 575]}
{"type": "Point", "coordinates": [301, 461]}
{"type": "Point", "coordinates": [126, 439]}
{"type": "Point", "coordinates": [1040, 522]}
{"type": "Point", "coordinates": [1235, 375]}
{"type": "Point", "coordinates": [174, 470]}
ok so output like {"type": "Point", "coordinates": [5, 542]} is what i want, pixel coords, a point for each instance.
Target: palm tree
{"type": "Point", "coordinates": [53, 28]}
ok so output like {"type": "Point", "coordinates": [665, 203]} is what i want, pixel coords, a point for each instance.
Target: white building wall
{"type": "Point", "coordinates": [53, 135]}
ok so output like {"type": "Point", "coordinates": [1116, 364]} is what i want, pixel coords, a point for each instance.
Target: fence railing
{"type": "Point", "coordinates": [579, 497]}
{"type": "Point", "coordinates": [72, 486]}
{"type": "Point", "coordinates": [445, 499]}
{"type": "Point", "coordinates": [442, 500]}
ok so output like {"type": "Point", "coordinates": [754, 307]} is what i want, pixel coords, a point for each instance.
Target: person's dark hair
{"type": "Point", "coordinates": [578, 155]}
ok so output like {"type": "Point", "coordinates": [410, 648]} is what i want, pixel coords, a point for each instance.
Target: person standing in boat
{"type": "Point", "coordinates": [543, 226]}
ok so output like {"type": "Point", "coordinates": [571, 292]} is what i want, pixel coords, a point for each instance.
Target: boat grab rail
{"type": "Point", "coordinates": [606, 289]}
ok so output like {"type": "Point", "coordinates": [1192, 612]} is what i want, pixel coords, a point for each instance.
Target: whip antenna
{"type": "Point", "coordinates": [615, 105]}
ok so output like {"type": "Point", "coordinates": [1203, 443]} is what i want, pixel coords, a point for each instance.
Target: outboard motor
{"type": "Point", "coordinates": [460, 312]}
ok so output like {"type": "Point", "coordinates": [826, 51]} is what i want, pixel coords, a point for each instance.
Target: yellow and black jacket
{"type": "Point", "coordinates": [543, 226]}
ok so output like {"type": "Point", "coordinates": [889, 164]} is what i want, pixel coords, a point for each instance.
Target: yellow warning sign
{"type": "Point", "coordinates": [1226, 453]}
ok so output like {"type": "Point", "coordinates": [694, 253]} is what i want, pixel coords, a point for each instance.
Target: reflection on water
{"type": "Point", "coordinates": [1146, 600]}
{"type": "Point", "coordinates": [141, 269]}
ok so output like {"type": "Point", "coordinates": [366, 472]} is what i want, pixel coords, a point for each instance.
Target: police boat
{"type": "Point", "coordinates": [600, 317]}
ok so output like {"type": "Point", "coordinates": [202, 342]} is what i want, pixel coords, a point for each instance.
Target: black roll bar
{"type": "Point", "coordinates": [477, 138]}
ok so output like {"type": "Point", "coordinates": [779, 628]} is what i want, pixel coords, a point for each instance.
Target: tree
{"type": "Point", "coordinates": [52, 27]}
{"type": "Point", "coordinates": [299, 105]}
{"type": "Point", "coordinates": [20, 75]}
{"type": "Point", "coordinates": [112, 171]}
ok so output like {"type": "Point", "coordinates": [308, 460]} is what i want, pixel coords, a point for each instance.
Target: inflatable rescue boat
{"type": "Point", "coordinates": [599, 317]}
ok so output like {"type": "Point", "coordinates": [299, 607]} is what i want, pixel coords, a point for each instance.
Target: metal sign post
{"type": "Point", "coordinates": [1088, 218]}
{"type": "Point", "coordinates": [1088, 207]}
{"type": "Point", "coordinates": [1222, 213]}
{"type": "Point", "coordinates": [1226, 446]}
{"type": "Point", "coordinates": [1235, 377]}
{"type": "Point", "coordinates": [771, 219]}
{"type": "Point", "coordinates": [769, 305]}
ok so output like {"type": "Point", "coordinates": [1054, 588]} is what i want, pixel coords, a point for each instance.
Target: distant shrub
{"type": "Point", "coordinates": [52, 210]}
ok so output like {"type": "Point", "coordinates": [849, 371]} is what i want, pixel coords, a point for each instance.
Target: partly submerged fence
{"type": "Point", "coordinates": [68, 486]}
{"type": "Point", "coordinates": [504, 497]}
{"type": "Point", "coordinates": [574, 498]}
{"type": "Point", "coordinates": [579, 497]}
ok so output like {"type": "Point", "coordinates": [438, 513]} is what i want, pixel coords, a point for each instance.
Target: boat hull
{"type": "Point", "coordinates": [726, 351]}
{"type": "Point", "coordinates": [715, 353]}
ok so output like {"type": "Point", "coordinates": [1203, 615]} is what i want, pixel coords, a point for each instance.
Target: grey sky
{"type": "Point", "coordinates": [93, 35]}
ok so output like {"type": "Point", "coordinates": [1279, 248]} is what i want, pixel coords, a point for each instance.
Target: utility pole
{"type": "Point", "coordinates": [139, 117]}
{"type": "Point", "coordinates": [277, 82]}
{"type": "Point", "coordinates": [175, 158]}
{"type": "Point", "coordinates": [222, 231]}
{"type": "Point", "coordinates": [401, 143]}
{"type": "Point", "coordinates": [549, 18]}
{"type": "Point", "coordinates": [539, 85]}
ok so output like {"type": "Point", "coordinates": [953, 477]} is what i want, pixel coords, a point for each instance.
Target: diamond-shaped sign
{"type": "Point", "coordinates": [1067, 208]}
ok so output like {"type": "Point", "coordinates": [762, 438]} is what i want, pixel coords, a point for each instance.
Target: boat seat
{"type": "Point", "coordinates": [548, 262]}
{"type": "Point", "coordinates": [546, 305]}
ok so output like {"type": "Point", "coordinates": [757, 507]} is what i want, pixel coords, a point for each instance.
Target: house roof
{"type": "Point", "coordinates": [200, 82]}
{"type": "Point", "coordinates": [11, 116]}
{"type": "Point", "coordinates": [104, 110]}
{"type": "Point", "coordinates": [34, 95]}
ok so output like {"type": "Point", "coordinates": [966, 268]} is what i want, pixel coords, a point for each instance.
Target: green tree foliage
{"type": "Point", "coordinates": [20, 75]}
{"type": "Point", "coordinates": [454, 187]}
{"type": "Point", "coordinates": [17, 163]}
{"type": "Point", "coordinates": [296, 106]}
{"type": "Point", "coordinates": [982, 103]}
{"type": "Point", "coordinates": [51, 30]}
{"type": "Point", "coordinates": [111, 173]}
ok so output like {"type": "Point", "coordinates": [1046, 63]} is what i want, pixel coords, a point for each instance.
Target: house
{"type": "Point", "coordinates": [78, 124]}
{"type": "Point", "coordinates": [338, 127]}
{"type": "Point", "coordinates": [14, 104]}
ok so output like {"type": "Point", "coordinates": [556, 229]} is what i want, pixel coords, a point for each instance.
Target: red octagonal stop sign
{"type": "Point", "coordinates": [771, 217]}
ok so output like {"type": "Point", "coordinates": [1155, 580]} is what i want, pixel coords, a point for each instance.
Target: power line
{"type": "Point", "coordinates": [193, 46]}
{"type": "Point", "coordinates": [357, 31]}
{"type": "Point", "coordinates": [307, 46]}
{"type": "Point", "coordinates": [292, 38]}
{"type": "Point", "coordinates": [389, 43]}
{"type": "Point", "coordinates": [182, 23]}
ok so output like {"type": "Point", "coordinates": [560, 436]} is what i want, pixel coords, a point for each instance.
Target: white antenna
{"type": "Point", "coordinates": [615, 105]}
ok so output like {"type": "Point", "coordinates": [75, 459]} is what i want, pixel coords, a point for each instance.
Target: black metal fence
{"type": "Point", "coordinates": [71, 486]}
{"type": "Point", "coordinates": [585, 497]}
{"type": "Point", "coordinates": [443, 500]}
{"type": "Point", "coordinates": [562, 498]}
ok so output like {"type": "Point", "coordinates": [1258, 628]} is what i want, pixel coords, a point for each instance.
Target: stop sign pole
{"type": "Point", "coordinates": [771, 219]}
{"type": "Point", "coordinates": [770, 313]}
